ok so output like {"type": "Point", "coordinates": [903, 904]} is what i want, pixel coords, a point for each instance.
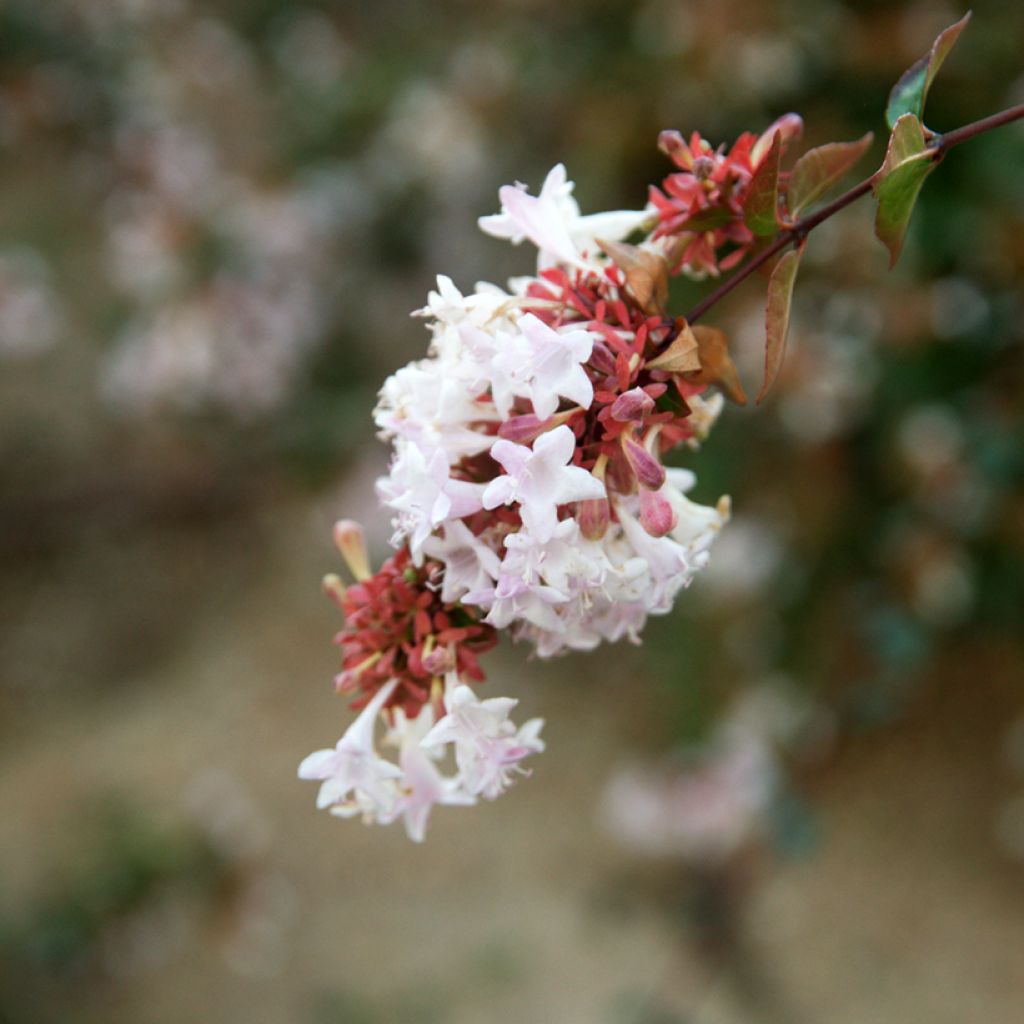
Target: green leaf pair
{"type": "Point", "coordinates": [909, 158]}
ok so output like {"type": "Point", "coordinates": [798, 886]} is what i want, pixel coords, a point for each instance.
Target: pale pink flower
{"type": "Point", "coordinates": [540, 480]}
{"type": "Point", "coordinates": [424, 495]}
{"type": "Point", "coordinates": [547, 365]}
{"type": "Point", "coordinates": [356, 779]}
{"type": "Point", "coordinates": [488, 747]}
{"type": "Point", "coordinates": [469, 564]}
{"type": "Point", "coordinates": [515, 599]}
{"type": "Point", "coordinates": [423, 785]}
{"type": "Point", "coordinates": [552, 221]}
{"type": "Point", "coordinates": [542, 219]}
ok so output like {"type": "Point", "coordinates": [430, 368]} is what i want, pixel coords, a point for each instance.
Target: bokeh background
{"type": "Point", "coordinates": [801, 800]}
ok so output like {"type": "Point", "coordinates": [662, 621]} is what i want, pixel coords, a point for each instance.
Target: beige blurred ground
{"type": "Point", "coordinates": [521, 910]}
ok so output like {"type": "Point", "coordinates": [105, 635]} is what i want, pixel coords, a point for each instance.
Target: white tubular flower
{"type": "Point", "coordinates": [540, 480]}
{"type": "Point", "coordinates": [552, 221]}
{"type": "Point", "coordinates": [423, 785]}
{"type": "Point", "coordinates": [547, 365]}
{"type": "Point", "coordinates": [469, 564]}
{"type": "Point", "coordinates": [425, 404]}
{"type": "Point", "coordinates": [543, 219]}
{"type": "Point", "coordinates": [424, 495]}
{"type": "Point", "coordinates": [488, 747]}
{"type": "Point", "coordinates": [449, 306]}
{"type": "Point", "coordinates": [514, 599]}
{"type": "Point", "coordinates": [356, 779]}
{"type": "Point", "coordinates": [482, 367]}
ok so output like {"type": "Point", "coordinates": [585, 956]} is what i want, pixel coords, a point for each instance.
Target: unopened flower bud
{"type": "Point", "coordinates": [632, 405]}
{"type": "Point", "coordinates": [350, 540]}
{"type": "Point", "coordinates": [657, 516]}
{"type": "Point", "coordinates": [673, 145]}
{"type": "Point", "coordinates": [349, 679]}
{"type": "Point", "coordinates": [334, 588]}
{"type": "Point", "coordinates": [601, 359]}
{"type": "Point", "coordinates": [439, 661]}
{"type": "Point", "coordinates": [650, 473]}
{"type": "Point", "coordinates": [702, 167]}
{"type": "Point", "coordinates": [593, 517]}
{"type": "Point", "coordinates": [527, 428]}
{"type": "Point", "coordinates": [620, 476]}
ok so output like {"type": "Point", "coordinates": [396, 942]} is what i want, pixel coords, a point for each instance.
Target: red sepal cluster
{"type": "Point", "coordinates": [702, 203]}
{"type": "Point", "coordinates": [397, 627]}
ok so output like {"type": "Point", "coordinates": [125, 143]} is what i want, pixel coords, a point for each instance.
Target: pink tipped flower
{"type": "Point", "coordinates": [542, 218]}
{"type": "Point", "coordinates": [488, 747]}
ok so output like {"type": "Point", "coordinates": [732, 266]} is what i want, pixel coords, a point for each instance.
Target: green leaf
{"type": "Point", "coordinates": [908, 161]}
{"type": "Point", "coordinates": [910, 92]}
{"type": "Point", "coordinates": [819, 169]}
{"type": "Point", "coordinates": [776, 318]}
{"type": "Point", "coordinates": [761, 207]}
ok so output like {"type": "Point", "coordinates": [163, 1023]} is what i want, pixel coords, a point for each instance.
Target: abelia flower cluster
{"type": "Point", "coordinates": [527, 486]}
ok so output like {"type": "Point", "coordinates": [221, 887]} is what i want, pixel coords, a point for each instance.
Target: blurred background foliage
{"type": "Point", "coordinates": [214, 219]}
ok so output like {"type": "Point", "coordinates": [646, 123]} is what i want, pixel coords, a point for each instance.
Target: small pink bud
{"type": "Point", "coordinates": [349, 678]}
{"type": "Point", "coordinates": [673, 145]}
{"type": "Point", "coordinates": [527, 428]}
{"type": "Point", "coordinates": [650, 473]}
{"type": "Point", "coordinates": [656, 514]}
{"type": "Point", "coordinates": [350, 540]}
{"type": "Point", "coordinates": [703, 167]}
{"type": "Point", "coordinates": [522, 429]}
{"type": "Point", "coordinates": [632, 405]}
{"type": "Point", "coordinates": [620, 476]}
{"type": "Point", "coordinates": [439, 661]}
{"type": "Point", "coordinates": [602, 360]}
{"type": "Point", "coordinates": [593, 517]}
{"type": "Point", "coordinates": [334, 588]}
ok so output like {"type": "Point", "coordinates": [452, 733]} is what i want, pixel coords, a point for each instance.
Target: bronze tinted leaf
{"type": "Point", "coordinates": [716, 365]}
{"type": "Point", "coordinates": [682, 355]}
{"type": "Point", "coordinates": [780, 299]}
{"type": "Point", "coordinates": [646, 274]}
{"type": "Point", "coordinates": [819, 169]}
{"type": "Point", "coordinates": [761, 206]}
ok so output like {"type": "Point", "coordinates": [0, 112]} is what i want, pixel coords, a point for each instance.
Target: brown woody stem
{"type": "Point", "coordinates": [939, 144]}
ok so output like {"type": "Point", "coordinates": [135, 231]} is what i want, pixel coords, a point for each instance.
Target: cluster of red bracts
{"type": "Point", "coordinates": [397, 627]}
{"type": "Point", "coordinates": [702, 203]}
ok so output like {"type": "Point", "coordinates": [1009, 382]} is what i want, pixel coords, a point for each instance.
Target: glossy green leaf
{"type": "Point", "coordinates": [908, 161]}
{"type": "Point", "coordinates": [761, 207]}
{"type": "Point", "coordinates": [910, 92]}
{"type": "Point", "coordinates": [776, 319]}
{"type": "Point", "coordinates": [819, 169]}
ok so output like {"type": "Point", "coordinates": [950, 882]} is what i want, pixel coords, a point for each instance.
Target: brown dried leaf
{"type": "Point", "coordinates": [682, 355]}
{"type": "Point", "coordinates": [646, 274]}
{"type": "Point", "coordinates": [716, 365]}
